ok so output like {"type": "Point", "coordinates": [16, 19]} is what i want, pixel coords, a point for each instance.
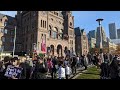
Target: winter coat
{"type": "Point", "coordinates": [85, 61]}
{"type": "Point", "coordinates": [114, 70]}
{"type": "Point", "coordinates": [105, 70]}
{"type": "Point", "coordinates": [40, 71]}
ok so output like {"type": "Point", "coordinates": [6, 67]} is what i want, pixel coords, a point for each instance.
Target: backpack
{"type": "Point", "coordinates": [50, 64]}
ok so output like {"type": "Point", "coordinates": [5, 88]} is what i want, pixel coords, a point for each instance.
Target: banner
{"type": "Point", "coordinates": [13, 71]}
{"type": "Point", "coordinates": [43, 44]}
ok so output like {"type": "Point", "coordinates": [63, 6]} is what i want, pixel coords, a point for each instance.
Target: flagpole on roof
{"type": "Point", "coordinates": [14, 42]}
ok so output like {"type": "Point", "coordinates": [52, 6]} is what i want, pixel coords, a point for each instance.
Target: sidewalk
{"type": "Point", "coordinates": [79, 70]}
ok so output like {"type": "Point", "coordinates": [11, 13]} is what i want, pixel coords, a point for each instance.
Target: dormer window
{"type": "Point", "coordinates": [5, 23]}
{"type": "Point", "coordinates": [5, 31]}
{"type": "Point", "coordinates": [70, 23]}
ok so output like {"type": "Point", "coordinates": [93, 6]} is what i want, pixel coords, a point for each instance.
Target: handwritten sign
{"type": "Point", "coordinates": [13, 71]}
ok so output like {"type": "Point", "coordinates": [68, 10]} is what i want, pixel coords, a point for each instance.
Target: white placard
{"type": "Point", "coordinates": [13, 71]}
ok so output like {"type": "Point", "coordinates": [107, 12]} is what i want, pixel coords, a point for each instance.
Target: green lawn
{"type": "Point", "coordinates": [91, 73]}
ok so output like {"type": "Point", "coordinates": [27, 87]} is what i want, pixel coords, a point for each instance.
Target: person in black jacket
{"type": "Point", "coordinates": [40, 70]}
{"type": "Point", "coordinates": [54, 69]}
{"type": "Point", "coordinates": [1, 70]}
{"type": "Point", "coordinates": [73, 64]}
{"type": "Point", "coordinates": [105, 70]}
{"type": "Point", "coordinates": [114, 69]}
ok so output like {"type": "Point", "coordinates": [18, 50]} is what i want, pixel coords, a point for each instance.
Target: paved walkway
{"type": "Point", "coordinates": [79, 70]}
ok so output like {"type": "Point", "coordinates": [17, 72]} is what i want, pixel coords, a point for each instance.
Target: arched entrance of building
{"type": "Point", "coordinates": [52, 49]}
{"type": "Point", "coordinates": [59, 50]}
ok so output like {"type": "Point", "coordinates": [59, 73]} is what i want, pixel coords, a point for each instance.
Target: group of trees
{"type": "Point", "coordinates": [106, 50]}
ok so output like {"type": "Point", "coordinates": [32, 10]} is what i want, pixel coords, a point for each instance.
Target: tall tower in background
{"type": "Point", "coordinates": [118, 33]}
{"type": "Point", "coordinates": [112, 31]}
{"type": "Point", "coordinates": [98, 36]}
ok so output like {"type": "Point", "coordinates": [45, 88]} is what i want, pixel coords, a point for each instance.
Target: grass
{"type": "Point", "coordinates": [91, 73]}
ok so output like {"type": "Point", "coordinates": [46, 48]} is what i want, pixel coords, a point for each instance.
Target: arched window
{"type": "Point", "coordinates": [50, 33]}
{"type": "Point", "coordinates": [61, 34]}
{"type": "Point", "coordinates": [45, 24]}
{"type": "Point", "coordinates": [55, 33]}
{"type": "Point", "coordinates": [70, 23]}
{"type": "Point", "coordinates": [41, 23]}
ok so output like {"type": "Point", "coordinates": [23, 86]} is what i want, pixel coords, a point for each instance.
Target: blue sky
{"type": "Point", "coordinates": [87, 19]}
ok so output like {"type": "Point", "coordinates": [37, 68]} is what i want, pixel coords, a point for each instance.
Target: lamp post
{"type": "Point", "coordinates": [101, 42]}
{"type": "Point", "coordinates": [14, 42]}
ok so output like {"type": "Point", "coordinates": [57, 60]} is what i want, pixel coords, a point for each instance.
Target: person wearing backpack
{"type": "Point", "coordinates": [50, 66]}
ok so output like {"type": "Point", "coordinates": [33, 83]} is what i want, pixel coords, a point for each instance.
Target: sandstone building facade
{"type": "Point", "coordinates": [49, 32]}
{"type": "Point", "coordinates": [7, 28]}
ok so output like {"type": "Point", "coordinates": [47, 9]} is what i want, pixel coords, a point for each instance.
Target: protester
{"type": "Point", "coordinates": [89, 58]}
{"type": "Point", "coordinates": [67, 71]}
{"type": "Point", "coordinates": [2, 67]}
{"type": "Point", "coordinates": [55, 67]}
{"type": "Point", "coordinates": [105, 70]}
{"type": "Point", "coordinates": [50, 66]}
{"type": "Point", "coordinates": [84, 62]}
{"type": "Point", "coordinates": [73, 65]}
{"type": "Point", "coordinates": [40, 70]}
{"type": "Point", "coordinates": [114, 68]}
{"type": "Point", "coordinates": [61, 71]}
{"type": "Point", "coordinates": [78, 61]}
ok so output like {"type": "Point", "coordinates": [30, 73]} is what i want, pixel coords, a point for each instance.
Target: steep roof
{"type": "Point", "coordinates": [77, 31]}
{"type": "Point", "coordinates": [10, 18]}
{"type": "Point", "coordinates": [1, 15]}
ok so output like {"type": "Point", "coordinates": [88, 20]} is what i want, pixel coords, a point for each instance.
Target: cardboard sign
{"type": "Point", "coordinates": [13, 71]}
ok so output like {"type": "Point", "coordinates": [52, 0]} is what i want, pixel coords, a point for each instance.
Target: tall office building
{"type": "Point", "coordinates": [81, 42]}
{"type": "Point", "coordinates": [92, 34]}
{"type": "Point", "coordinates": [112, 31]}
{"type": "Point", "coordinates": [118, 33]}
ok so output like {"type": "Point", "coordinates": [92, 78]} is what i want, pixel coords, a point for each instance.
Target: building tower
{"type": "Point", "coordinates": [112, 31]}
{"type": "Point", "coordinates": [69, 29]}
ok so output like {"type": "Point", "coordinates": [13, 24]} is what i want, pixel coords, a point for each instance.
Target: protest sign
{"type": "Point", "coordinates": [13, 71]}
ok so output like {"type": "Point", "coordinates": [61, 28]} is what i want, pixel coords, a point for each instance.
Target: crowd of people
{"type": "Point", "coordinates": [44, 67]}
{"type": "Point", "coordinates": [110, 68]}
{"type": "Point", "coordinates": [61, 67]}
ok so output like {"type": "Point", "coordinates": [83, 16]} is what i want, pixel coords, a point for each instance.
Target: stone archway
{"type": "Point", "coordinates": [52, 49]}
{"type": "Point", "coordinates": [59, 50]}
